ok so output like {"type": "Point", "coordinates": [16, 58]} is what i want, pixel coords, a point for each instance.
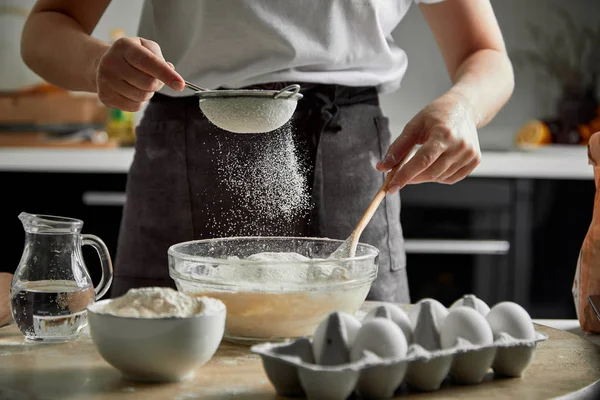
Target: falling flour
{"type": "Point", "coordinates": [266, 181]}
{"type": "Point", "coordinates": [158, 302]}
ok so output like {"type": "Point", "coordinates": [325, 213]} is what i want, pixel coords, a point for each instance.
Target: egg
{"type": "Point", "coordinates": [439, 312]}
{"type": "Point", "coordinates": [470, 300]}
{"type": "Point", "coordinates": [465, 322]}
{"type": "Point", "coordinates": [397, 315]}
{"type": "Point", "coordinates": [349, 328]}
{"type": "Point", "coordinates": [511, 318]}
{"type": "Point", "coordinates": [427, 329]}
{"type": "Point", "coordinates": [381, 337]}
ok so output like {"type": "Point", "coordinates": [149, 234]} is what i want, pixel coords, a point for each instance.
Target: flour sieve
{"type": "Point", "coordinates": [248, 110]}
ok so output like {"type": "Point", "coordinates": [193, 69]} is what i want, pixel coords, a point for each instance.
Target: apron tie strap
{"type": "Point", "coordinates": [328, 112]}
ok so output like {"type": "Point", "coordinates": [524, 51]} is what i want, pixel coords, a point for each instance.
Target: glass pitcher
{"type": "Point", "coordinates": [51, 287]}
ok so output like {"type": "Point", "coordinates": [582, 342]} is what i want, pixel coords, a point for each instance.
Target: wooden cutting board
{"type": "Point", "coordinates": [563, 364]}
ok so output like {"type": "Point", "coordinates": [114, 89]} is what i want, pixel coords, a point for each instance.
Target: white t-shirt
{"type": "Point", "coordinates": [237, 43]}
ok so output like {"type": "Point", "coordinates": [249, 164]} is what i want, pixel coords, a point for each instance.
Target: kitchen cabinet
{"type": "Point", "coordinates": [510, 239]}
{"type": "Point", "coordinates": [465, 237]}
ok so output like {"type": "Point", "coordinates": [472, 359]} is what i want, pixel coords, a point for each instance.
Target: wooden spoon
{"type": "Point", "coordinates": [348, 248]}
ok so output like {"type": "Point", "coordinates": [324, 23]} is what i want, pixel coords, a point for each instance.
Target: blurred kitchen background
{"type": "Point", "coordinates": [511, 231]}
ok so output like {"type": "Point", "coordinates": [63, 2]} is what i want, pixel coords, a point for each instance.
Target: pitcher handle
{"type": "Point", "coordinates": [105, 262]}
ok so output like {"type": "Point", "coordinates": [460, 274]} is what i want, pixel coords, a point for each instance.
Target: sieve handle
{"type": "Point", "coordinates": [289, 91]}
{"type": "Point", "coordinates": [195, 87]}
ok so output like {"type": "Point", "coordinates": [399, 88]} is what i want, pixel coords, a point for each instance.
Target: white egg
{"type": "Point", "coordinates": [398, 316]}
{"type": "Point", "coordinates": [511, 318]}
{"type": "Point", "coordinates": [439, 312]}
{"type": "Point", "coordinates": [469, 299]}
{"type": "Point", "coordinates": [350, 324]}
{"type": "Point", "coordinates": [465, 322]}
{"type": "Point", "coordinates": [380, 336]}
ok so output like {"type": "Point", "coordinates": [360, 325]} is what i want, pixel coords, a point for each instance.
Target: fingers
{"type": "Point", "coordinates": [139, 79]}
{"type": "Point", "coordinates": [447, 129]}
{"type": "Point", "coordinates": [401, 147]}
{"type": "Point", "coordinates": [423, 159]}
{"type": "Point", "coordinates": [142, 58]}
{"type": "Point", "coordinates": [131, 71]}
{"type": "Point", "coordinates": [467, 157]}
{"type": "Point", "coordinates": [447, 165]}
{"type": "Point", "coordinates": [113, 99]}
{"type": "Point", "coordinates": [463, 172]}
{"type": "Point", "coordinates": [440, 166]}
{"type": "Point", "coordinates": [131, 92]}
{"type": "Point", "coordinates": [153, 47]}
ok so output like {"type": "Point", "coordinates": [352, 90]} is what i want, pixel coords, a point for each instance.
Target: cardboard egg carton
{"type": "Point", "coordinates": [389, 350]}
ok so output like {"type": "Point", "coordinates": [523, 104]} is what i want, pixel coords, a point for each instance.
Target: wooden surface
{"type": "Point", "coordinates": [5, 280]}
{"type": "Point", "coordinates": [563, 364]}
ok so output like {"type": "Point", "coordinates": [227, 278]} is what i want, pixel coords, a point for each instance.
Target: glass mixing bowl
{"type": "Point", "coordinates": [269, 300]}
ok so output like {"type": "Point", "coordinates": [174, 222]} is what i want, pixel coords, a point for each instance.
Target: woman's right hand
{"type": "Point", "coordinates": [131, 71]}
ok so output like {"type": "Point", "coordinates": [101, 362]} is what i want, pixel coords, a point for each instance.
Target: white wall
{"type": "Point", "coordinates": [426, 77]}
{"type": "Point", "coordinates": [120, 14]}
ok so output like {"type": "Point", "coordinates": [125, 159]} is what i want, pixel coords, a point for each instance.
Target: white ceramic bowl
{"type": "Point", "coordinates": [165, 349]}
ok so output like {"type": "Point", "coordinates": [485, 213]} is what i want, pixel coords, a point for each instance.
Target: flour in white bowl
{"type": "Point", "coordinates": [159, 302]}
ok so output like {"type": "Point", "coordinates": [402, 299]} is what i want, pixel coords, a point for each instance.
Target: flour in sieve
{"type": "Point", "coordinates": [159, 302]}
{"type": "Point", "coordinates": [266, 182]}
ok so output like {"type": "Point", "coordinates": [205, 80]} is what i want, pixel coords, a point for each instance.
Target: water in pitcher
{"type": "Point", "coordinates": [50, 309]}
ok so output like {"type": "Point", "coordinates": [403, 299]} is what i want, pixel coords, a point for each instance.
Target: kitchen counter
{"type": "Point", "coordinates": [66, 160]}
{"type": "Point", "coordinates": [74, 370]}
{"type": "Point", "coordinates": [554, 162]}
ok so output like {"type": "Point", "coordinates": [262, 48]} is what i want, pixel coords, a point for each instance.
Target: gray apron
{"type": "Point", "coordinates": [174, 187]}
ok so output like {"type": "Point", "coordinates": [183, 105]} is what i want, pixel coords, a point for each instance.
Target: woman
{"type": "Point", "coordinates": [339, 51]}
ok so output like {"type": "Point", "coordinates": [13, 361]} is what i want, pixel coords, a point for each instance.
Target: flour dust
{"type": "Point", "coordinates": [265, 179]}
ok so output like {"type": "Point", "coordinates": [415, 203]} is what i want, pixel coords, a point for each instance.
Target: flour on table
{"type": "Point", "coordinates": [159, 302]}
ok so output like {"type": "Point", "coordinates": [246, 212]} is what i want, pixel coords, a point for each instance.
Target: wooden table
{"type": "Point", "coordinates": [564, 364]}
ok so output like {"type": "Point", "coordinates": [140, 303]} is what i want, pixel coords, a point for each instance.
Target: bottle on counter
{"type": "Point", "coordinates": [120, 124]}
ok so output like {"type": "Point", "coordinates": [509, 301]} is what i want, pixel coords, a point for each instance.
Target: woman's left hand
{"type": "Point", "coordinates": [447, 131]}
